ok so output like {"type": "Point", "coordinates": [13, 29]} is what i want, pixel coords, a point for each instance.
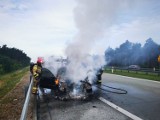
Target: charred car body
{"type": "Point", "coordinates": [69, 81]}
{"type": "Point", "coordinates": [64, 88]}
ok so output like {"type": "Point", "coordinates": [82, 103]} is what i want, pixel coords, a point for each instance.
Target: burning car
{"type": "Point", "coordinates": [64, 88]}
{"type": "Point", "coordinates": [73, 77]}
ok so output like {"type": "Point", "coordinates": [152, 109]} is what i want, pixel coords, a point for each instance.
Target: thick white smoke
{"type": "Point", "coordinates": [54, 63]}
{"type": "Point", "coordinates": [92, 17]}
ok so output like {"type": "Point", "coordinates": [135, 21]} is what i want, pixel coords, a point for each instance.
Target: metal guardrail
{"type": "Point", "coordinates": [145, 70]}
{"type": "Point", "coordinates": [26, 104]}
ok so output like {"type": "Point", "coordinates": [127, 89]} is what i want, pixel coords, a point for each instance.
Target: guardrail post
{"type": "Point", "coordinates": [159, 69]}
{"type": "Point", "coordinates": [112, 69]}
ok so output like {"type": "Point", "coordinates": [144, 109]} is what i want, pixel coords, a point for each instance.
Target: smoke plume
{"type": "Point", "coordinates": [92, 17]}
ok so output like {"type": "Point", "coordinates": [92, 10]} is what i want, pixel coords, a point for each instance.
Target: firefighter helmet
{"type": "Point", "coordinates": [40, 60]}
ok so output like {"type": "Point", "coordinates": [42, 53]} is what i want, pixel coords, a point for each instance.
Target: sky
{"type": "Point", "coordinates": [58, 27]}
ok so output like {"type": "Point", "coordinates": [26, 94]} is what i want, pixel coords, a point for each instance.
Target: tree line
{"type": "Point", "coordinates": [130, 53]}
{"type": "Point", "coordinates": [12, 59]}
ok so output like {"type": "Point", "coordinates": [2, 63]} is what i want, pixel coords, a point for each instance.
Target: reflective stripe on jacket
{"type": "Point", "coordinates": [36, 70]}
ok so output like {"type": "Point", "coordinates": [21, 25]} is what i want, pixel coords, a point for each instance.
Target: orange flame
{"type": "Point", "coordinates": [57, 81]}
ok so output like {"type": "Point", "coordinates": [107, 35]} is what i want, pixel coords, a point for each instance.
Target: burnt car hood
{"type": "Point", "coordinates": [47, 79]}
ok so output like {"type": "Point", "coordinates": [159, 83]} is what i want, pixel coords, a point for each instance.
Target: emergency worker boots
{"type": "Point", "coordinates": [99, 81]}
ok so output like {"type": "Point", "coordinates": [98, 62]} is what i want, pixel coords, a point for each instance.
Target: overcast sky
{"type": "Point", "coordinates": [47, 27]}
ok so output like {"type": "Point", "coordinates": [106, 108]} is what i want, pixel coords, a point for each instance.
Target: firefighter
{"type": "Point", "coordinates": [99, 76]}
{"type": "Point", "coordinates": [36, 72]}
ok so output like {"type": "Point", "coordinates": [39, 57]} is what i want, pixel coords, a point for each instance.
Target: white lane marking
{"type": "Point", "coordinates": [134, 117]}
{"type": "Point", "coordinates": [138, 78]}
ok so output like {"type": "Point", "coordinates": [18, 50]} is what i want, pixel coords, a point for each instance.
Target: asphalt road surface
{"type": "Point", "coordinates": [50, 108]}
{"type": "Point", "coordinates": [78, 110]}
{"type": "Point", "coordinates": [142, 98]}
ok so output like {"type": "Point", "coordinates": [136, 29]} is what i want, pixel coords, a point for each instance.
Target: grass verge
{"type": "Point", "coordinates": [143, 75]}
{"type": "Point", "coordinates": [8, 81]}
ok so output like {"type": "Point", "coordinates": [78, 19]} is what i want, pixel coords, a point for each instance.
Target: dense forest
{"type": "Point", "coordinates": [130, 53]}
{"type": "Point", "coordinates": [12, 59]}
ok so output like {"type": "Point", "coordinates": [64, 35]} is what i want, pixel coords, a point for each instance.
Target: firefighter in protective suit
{"type": "Point", "coordinates": [36, 71]}
{"type": "Point", "coordinates": [99, 76]}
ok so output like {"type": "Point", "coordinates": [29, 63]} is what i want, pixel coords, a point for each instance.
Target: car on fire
{"type": "Point", "coordinates": [57, 76]}
{"type": "Point", "coordinates": [64, 88]}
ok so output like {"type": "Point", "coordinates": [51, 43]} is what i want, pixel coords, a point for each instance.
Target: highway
{"type": "Point", "coordinates": [142, 100]}
{"type": "Point", "coordinates": [78, 110]}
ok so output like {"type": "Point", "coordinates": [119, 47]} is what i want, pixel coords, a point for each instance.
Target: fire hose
{"type": "Point", "coordinates": [118, 90]}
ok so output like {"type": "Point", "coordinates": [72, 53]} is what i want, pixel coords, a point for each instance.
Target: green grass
{"type": "Point", "coordinates": [8, 81]}
{"type": "Point", "coordinates": [149, 76]}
